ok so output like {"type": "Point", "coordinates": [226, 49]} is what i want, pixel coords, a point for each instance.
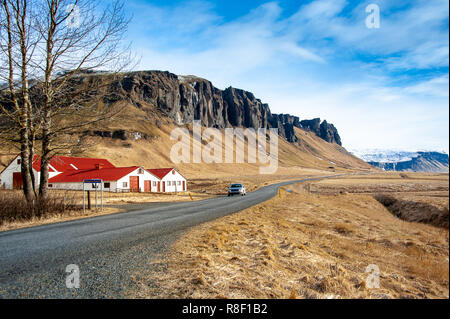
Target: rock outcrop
{"type": "Point", "coordinates": [188, 98]}
{"type": "Point", "coordinates": [324, 130]}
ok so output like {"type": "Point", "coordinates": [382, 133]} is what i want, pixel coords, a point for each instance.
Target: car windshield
{"type": "Point", "coordinates": [236, 185]}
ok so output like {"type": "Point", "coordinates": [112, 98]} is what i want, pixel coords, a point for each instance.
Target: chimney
{"type": "Point", "coordinates": [98, 166]}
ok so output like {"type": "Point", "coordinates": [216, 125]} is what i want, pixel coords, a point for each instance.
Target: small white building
{"type": "Point", "coordinates": [117, 179]}
{"type": "Point", "coordinates": [170, 180]}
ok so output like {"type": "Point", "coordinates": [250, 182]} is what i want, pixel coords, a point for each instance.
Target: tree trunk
{"type": "Point", "coordinates": [25, 166]}
{"type": "Point", "coordinates": [30, 163]}
{"type": "Point", "coordinates": [45, 160]}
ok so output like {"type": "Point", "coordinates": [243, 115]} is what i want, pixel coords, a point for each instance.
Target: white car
{"type": "Point", "coordinates": [236, 189]}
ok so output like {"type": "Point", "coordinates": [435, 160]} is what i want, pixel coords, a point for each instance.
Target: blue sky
{"type": "Point", "coordinates": [382, 88]}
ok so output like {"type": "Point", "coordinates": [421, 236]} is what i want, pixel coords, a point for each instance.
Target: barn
{"type": "Point", "coordinates": [11, 177]}
{"type": "Point", "coordinates": [115, 179]}
{"type": "Point", "coordinates": [170, 180]}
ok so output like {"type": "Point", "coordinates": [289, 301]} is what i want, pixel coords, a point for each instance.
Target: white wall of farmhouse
{"type": "Point", "coordinates": [123, 184]}
{"type": "Point", "coordinates": [14, 167]}
{"type": "Point", "coordinates": [174, 182]}
{"type": "Point", "coordinates": [6, 177]}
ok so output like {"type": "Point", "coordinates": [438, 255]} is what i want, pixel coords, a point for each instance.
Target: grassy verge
{"type": "Point", "coordinates": [15, 210]}
{"type": "Point", "coordinates": [304, 245]}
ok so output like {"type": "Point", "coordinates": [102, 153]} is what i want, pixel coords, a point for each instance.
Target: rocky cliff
{"type": "Point", "coordinates": [188, 98]}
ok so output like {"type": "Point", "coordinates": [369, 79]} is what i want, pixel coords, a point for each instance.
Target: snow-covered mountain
{"type": "Point", "coordinates": [394, 160]}
{"type": "Point", "coordinates": [383, 155]}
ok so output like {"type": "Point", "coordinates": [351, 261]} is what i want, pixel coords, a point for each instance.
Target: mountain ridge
{"type": "Point", "coordinates": [187, 98]}
{"type": "Point", "coordinates": [419, 162]}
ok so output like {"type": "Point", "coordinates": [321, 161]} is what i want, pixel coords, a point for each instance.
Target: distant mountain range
{"type": "Point", "coordinates": [390, 160]}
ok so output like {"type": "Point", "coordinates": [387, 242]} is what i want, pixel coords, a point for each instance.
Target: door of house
{"type": "Point", "coordinates": [134, 183]}
{"type": "Point", "coordinates": [158, 186]}
{"type": "Point", "coordinates": [184, 185]}
{"type": "Point", "coordinates": [147, 186]}
{"type": "Point", "coordinates": [17, 181]}
{"type": "Point", "coordinates": [164, 187]}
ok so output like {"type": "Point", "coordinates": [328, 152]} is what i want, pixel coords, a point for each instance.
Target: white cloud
{"type": "Point", "coordinates": [235, 47]}
{"type": "Point", "coordinates": [308, 63]}
{"type": "Point", "coordinates": [437, 86]}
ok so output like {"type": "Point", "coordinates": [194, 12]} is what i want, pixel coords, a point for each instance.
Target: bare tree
{"type": "Point", "coordinates": [79, 37]}
{"type": "Point", "coordinates": [64, 43]}
{"type": "Point", "coordinates": [17, 48]}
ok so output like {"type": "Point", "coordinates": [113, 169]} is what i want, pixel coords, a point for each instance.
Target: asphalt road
{"type": "Point", "coordinates": [108, 250]}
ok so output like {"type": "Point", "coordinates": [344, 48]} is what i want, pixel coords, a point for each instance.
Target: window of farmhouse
{"type": "Point", "coordinates": [107, 185]}
{"type": "Point", "coordinates": [125, 184]}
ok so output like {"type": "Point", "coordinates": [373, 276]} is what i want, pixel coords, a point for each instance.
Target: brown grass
{"type": "Point", "coordinates": [14, 208]}
{"type": "Point", "coordinates": [305, 245]}
{"type": "Point", "coordinates": [414, 197]}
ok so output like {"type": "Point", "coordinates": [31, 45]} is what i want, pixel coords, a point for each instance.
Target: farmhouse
{"type": "Point", "coordinates": [11, 177]}
{"type": "Point", "coordinates": [68, 173]}
{"type": "Point", "coordinates": [170, 180]}
{"type": "Point", "coordinates": [115, 179]}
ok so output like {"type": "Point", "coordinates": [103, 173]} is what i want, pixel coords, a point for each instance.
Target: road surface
{"type": "Point", "coordinates": [108, 249]}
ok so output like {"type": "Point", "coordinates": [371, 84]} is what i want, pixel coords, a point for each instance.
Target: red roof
{"type": "Point", "coordinates": [37, 164]}
{"type": "Point", "coordinates": [64, 163]}
{"type": "Point", "coordinates": [160, 172]}
{"type": "Point", "coordinates": [105, 174]}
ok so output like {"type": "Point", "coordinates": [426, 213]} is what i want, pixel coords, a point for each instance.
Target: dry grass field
{"type": "Point", "coordinates": [314, 242]}
{"type": "Point", "coordinates": [416, 197]}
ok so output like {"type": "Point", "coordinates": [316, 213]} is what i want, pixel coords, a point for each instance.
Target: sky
{"type": "Point", "coordinates": [385, 87]}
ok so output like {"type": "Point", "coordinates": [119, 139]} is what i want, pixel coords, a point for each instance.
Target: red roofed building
{"type": "Point", "coordinates": [11, 177]}
{"type": "Point", "coordinates": [170, 180]}
{"type": "Point", "coordinates": [69, 173]}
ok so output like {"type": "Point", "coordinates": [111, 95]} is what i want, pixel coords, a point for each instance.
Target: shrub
{"type": "Point", "coordinates": [13, 206]}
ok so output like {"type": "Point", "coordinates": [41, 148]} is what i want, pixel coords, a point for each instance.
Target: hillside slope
{"type": "Point", "coordinates": [313, 154]}
{"type": "Point", "coordinates": [154, 103]}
